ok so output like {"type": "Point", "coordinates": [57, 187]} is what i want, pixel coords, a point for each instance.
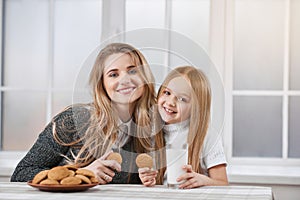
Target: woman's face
{"type": "Point", "coordinates": [121, 79]}
{"type": "Point", "coordinates": [174, 103]}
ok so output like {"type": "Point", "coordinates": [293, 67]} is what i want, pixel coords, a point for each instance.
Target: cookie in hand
{"type": "Point", "coordinates": [144, 160]}
{"type": "Point", "coordinates": [115, 156]}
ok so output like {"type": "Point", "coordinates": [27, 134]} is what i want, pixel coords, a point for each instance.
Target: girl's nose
{"type": "Point", "coordinates": [171, 102]}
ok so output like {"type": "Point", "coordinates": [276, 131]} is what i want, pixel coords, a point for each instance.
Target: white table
{"type": "Point", "coordinates": [18, 191]}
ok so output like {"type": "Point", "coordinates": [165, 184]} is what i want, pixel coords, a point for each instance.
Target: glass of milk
{"type": "Point", "coordinates": [176, 157]}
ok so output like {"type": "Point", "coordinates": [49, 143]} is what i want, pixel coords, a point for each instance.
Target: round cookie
{"type": "Point", "coordinates": [144, 160]}
{"type": "Point", "coordinates": [58, 173]}
{"type": "Point", "coordinates": [40, 176]}
{"type": "Point", "coordinates": [94, 180]}
{"type": "Point", "coordinates": [84, 178]}
{"type": "Point", "coordinates": [49, 182]}
{"type": "Point", "coordinates": [115, 156]}
{"type": "Point", "coordinates": [71, 167]}
{"type": "Point", "coordinates": [71, 173]}
{"type": "Point", "coordinates": [70, 181]}
{"type": "Point", "coordinates": [85, 172]}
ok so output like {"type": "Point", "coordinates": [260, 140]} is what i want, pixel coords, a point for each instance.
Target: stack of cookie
{"type": "Point", "coordinates": [65, 175]}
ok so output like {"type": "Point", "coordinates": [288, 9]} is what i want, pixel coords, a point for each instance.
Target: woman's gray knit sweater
{"type": "Point", "coordinates": [47, 153]}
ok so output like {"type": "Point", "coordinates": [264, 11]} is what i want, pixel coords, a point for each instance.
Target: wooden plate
{"type": "Point", "coordinates": [62, 188]}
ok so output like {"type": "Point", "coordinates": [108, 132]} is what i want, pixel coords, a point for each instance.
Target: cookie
{"type": "Point", "coordinates": [94, 180]}
{"type": "Point", "coordinates": [71, 173]}
{"type": "Point", "coordinates": [71, 167]}
{"type": "Point", "coordinates": [58, 173]}
{"type": "Point", "coordinates": [85, 172]}
{"type": "Point", "coordinates": [49, 182]}
{"type": "Point", "coordinates": [115, 156]}
{"type": "Point", "coordinates": [40, 176]}
{"type": "Point", "coordinates": [70, 181]}
{"type": "Point", "coordinates": [84, 178]}
{"type": "Point", "coordinates": [144, 160]}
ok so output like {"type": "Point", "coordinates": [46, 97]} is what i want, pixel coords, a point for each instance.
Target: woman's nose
{"type": "Point", "coordinates": [124, 79]}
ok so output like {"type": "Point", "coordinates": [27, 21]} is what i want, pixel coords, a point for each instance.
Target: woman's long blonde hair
{"type": "Point", "coordinates": [200, 110]}
{"type": "Point", "coordinates": [102, 130]}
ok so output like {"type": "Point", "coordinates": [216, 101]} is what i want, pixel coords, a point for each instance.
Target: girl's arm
{"type": "Point", "coordinates": [217, 176]}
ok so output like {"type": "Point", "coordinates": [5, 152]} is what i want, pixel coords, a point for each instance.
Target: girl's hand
{"type": "Point", "coordinates": [147, 176]}
{"type": "Point", "coordinates": [104, 169]}
{"type": "Point", "coordinates": [192, 179]}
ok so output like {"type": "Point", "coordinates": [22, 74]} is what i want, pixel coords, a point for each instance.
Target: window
{"type": "Point", "coordinates": [265, 90]}
{"type": "Point", "coordinates": [44, 45]}
{"type": "Point", "coordinates": [262, 100]}
{"type": "Point", "coordinates": [44, 49]}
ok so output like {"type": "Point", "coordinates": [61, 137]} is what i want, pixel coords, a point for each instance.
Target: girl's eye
{"type": "Point", "coordinates": [182, 99]}
{"type": "Point", "coordinates": [113, 75]}
{"type": "Point", "coordinates": [132, 71]}
{"type": "Point", "coordinates": [166, 93]}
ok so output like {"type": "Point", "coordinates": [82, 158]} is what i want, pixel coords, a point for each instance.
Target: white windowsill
{"type": "Point", "coordinates": [8, 162]}
{"type": "Point", "coordinates": [249, 174]}
{"type": "Point", "coordinates": [275, 175]}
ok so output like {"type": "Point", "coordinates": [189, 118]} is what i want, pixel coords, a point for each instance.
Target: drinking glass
{"type": "Point", "coordinates": [176, 157]}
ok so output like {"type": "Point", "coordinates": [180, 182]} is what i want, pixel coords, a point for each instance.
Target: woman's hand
{"type": "Point", "coordinates": [217, 176]}
{"type": "Point", "coordinates": [147, 176]}
{"type": "Point", "coordinates": [104, 169]}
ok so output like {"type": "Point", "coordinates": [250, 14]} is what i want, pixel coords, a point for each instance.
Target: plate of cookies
{"type": "Point", "coordinates": [66, 178]}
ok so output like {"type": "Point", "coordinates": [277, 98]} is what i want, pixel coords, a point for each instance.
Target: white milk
{"type": "Point", "coordinates": [176, 158]}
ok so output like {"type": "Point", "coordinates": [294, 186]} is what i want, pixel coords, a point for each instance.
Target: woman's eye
{"type": "Point", "coordinates": [132, 71]}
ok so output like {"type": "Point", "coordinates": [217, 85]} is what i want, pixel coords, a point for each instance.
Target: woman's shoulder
{"type": "Point", "coordinates": [75, 111]}
{"type": "Point", "coordinates": [76, 114]}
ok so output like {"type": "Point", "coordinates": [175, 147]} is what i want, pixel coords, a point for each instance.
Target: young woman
{"type": "Point", "coordinates": [184, 102]}
{"type": "Point", "coordinates": [84, 135]}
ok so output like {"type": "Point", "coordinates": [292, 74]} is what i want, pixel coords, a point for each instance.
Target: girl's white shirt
{"type": "Point", "coordinates": [212, 153]}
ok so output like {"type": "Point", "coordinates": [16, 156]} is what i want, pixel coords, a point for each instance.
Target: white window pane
{"type": "Point", "coordinates": [26, 43]}
{"type": "Point", "coordinates": [191, 18]}
{"type": "Point", "coordinates": [77, 32]}
{"type": "Point", "coordinates": [259, 44]}
{"type": "Point", "coordinates": [60, 100]}
{"type": "Point", "coordinates": [63, 99]}
{"type": "Point", "coordinates": [145, 14]}
{"type": "Point", "coordinates": [294, 127]}
{"type": "Point", "coordinates": [257, 126]}
{"type": "Point", "coordinates": [22, 124]}
{"type": "Point", "coordinates": [295, 45]}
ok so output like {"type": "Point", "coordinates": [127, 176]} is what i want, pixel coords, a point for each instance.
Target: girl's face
{"type": "Point", "coordinates": [174, 103]}
{"type": "Point", "coordinates": [121, 79]}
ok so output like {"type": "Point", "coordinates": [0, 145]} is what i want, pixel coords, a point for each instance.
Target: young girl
{"type": "Point", "coordinates": [123, 93]}
{"type": "Point", "coordinates": [184, 102]}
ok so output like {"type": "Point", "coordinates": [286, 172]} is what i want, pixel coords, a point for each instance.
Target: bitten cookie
{"type": "Point", "coordinates": [115, 156]}
{"type": "Point", "coordinates": [144, 160]}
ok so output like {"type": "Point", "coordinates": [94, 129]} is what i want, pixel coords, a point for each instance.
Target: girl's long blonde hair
{"type": "Point", "coordinates": [200, 110]}
{"type": "Point", "coordinates": [101, 133]}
